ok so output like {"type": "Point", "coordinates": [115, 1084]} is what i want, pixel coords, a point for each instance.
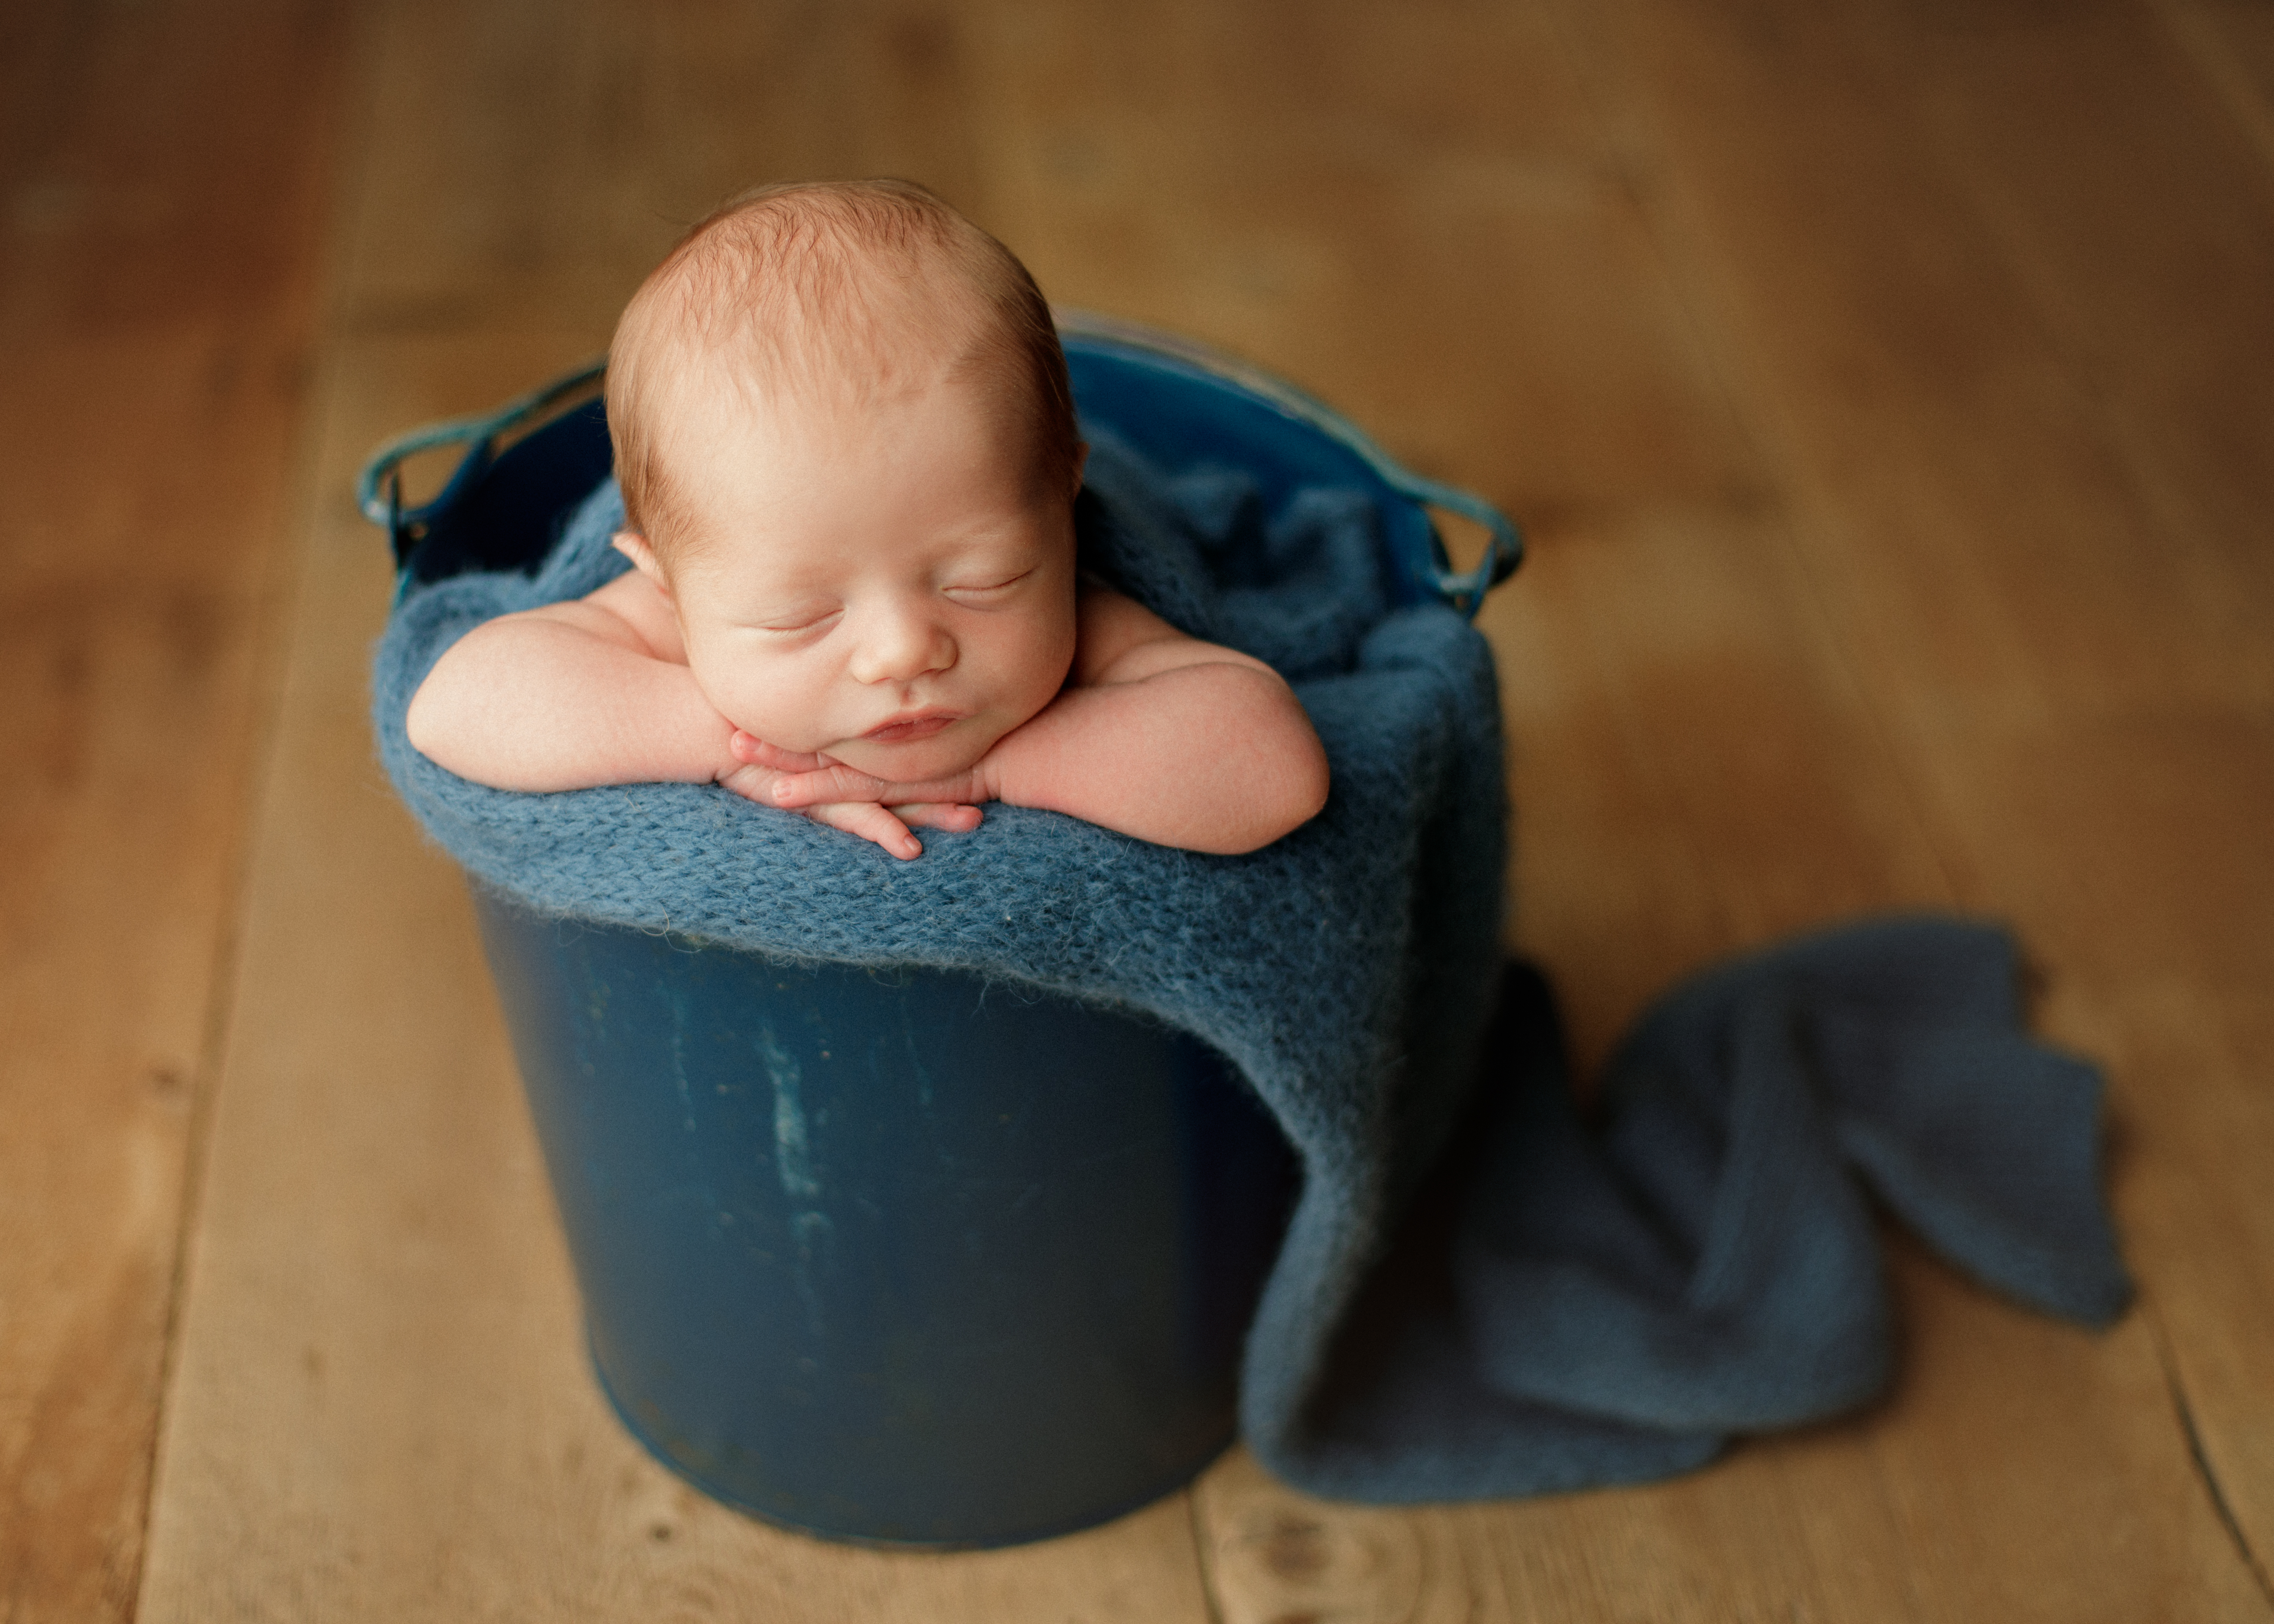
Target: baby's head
{"type": "Point", "coordinates": [848, 457]}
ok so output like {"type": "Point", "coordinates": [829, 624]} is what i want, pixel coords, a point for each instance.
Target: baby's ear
{"type": "Point", "coordinates": [634, 546]}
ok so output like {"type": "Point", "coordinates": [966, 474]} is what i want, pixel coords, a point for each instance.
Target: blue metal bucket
{"type": "Point", "coordinates": [902, 1258]}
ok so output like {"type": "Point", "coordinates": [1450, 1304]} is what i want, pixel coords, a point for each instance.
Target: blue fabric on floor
{"type": "Point", "coordinates": [1560, 1306]}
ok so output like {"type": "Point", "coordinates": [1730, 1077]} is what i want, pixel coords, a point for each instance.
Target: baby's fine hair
{"type": "Point", "coordinates": [804, 286]}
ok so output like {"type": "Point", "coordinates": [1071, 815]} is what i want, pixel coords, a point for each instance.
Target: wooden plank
{"type": "Point", "coordinates": [1846, 324]}
{"type": "Point", "coordinates": [1893, 362]}
{"type": "Point", "coordinates": [380, 1408]}
{"type": "Point", "coordinates": [2142, 216]}
{"type": "Point", "coordinates": [533, 163]}
{"type": "Point", "coordinates": [2140, 221]}
{"type": "Point", "coordinates": [1395, 213]}
{"type": "Point", "coordinates": [165, 188]}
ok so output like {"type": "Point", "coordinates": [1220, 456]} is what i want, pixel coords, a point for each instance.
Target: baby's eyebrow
{"type": "Point", "coordinates": [787, 598]}
{"type": "Point", "coordinates": [1006, 540]}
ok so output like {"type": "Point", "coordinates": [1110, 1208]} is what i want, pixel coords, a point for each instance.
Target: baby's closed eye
{"type": "Point", "coordinates": [803, 617]}
{"type": "Point", "coordinates": [985, 589]}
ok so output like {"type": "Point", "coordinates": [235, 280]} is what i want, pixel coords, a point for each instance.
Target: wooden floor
{"type": "Point", "coordinates": [1889, 389]}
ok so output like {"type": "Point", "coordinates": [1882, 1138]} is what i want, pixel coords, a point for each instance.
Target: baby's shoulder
{"type": "Point", "coordinates": [1109, 626]}
{"type": "Point", "coordinates": [629, 611]}
{"type": "Point", "coordinates": [1117, 639]}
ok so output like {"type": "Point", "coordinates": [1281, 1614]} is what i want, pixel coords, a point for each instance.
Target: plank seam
{"type": "Point", "coordinates": [1753, 417]}
{"type": "Point", "coordinates": [2199, 41]}
{"type": "Point", "coordinates": [2185, 1411]}
{"type": "Point", "coordinates": [1204, 1553]}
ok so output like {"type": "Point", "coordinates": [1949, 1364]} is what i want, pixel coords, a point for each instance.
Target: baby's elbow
{"type": "Point", "coordinates": [1292, 792]}
{"type": "Point", "coordinates": [426, 723]}
{"type": "Point", "coordinates": [444, 727]}
{"type": "Point", "coordinates": [1308, 783]}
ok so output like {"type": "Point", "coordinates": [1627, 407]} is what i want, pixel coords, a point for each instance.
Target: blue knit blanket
{"type": "Point", "coordinates": [1553, 1305]}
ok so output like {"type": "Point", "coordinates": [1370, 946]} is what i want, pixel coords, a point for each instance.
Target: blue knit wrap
{"type": "Point", "coordinates": [1565, 1308]}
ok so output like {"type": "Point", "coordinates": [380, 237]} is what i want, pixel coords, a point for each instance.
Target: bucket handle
{"type": "Point", "coordinates": [379, 491]}
{"type": "Point", "coordinates": [1464, 589]}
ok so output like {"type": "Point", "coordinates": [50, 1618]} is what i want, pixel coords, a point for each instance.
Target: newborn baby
{"type": "Point", "coordinates": [848, 459]}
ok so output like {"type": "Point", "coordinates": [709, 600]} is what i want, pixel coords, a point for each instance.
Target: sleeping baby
{"type": "Point", "coordinates": [848, 459]}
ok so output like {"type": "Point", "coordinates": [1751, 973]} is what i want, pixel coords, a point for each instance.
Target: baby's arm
{"type": "Point", "coordinates": [570, 696]}
{"type": "Point", "coordinates": [578, 695]}
{"type": "Point", "coordinates": [1158, 736]}
{"type": "Point", "coordinates": [1166, 738]}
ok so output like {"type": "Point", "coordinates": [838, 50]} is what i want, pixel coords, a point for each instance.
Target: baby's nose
{"type": "Point", "coordinates": [899, 644]}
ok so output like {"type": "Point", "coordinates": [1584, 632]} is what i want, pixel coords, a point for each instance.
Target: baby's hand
{"type": "Point", "coordinates": [805, 782]}
{"type": "Point", "coordinates": [768, 777]}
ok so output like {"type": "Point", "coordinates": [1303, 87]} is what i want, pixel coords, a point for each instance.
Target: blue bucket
{"type": "Point", "coordinates": [902, 1258]}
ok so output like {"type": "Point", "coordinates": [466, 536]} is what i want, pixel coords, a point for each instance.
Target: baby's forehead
{"type": "Point", "coordinates": [716, 400]}
{"type": "Point", "coordinates": [712, 400]}
{"type": "Point", "coordinates": [843, 316]}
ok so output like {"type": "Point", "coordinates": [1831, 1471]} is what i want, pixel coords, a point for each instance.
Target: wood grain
{"type": "Point", "coordinates": [1885, 388]}
{"type": "Point", "coordinates": [2019, 709]}
{"type": "Point", "coordinates": [166, 192]}
{"type": "Point", "coordinates": [2231, 43]}
{"type": "Point", "coordinates": [2153, 280]}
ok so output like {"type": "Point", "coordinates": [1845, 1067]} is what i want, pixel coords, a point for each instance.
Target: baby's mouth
{"type": "Point", "coordinates": [912, 726]}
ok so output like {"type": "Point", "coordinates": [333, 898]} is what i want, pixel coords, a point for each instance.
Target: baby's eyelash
{"type": "Point", "coordinates": [991, 586]}
{"type": "Point", "coordinates": [788, 628]}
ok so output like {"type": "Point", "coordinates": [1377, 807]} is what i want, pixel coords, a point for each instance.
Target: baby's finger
{"type": "Point", "coordinates": [967, 788]}
{"type": "Point", "coordinates": [871, 822]}
{"type": "Point", "coordinates": [751, 784]}
{"type": "Point", "coordinates": [831, 783]}
{"type": "Point", "coordinates": [950, 816]}
{"type": "Point", "coordinates": [746, 747]}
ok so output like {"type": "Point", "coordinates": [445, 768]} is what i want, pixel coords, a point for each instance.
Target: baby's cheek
{"type": "Point", "coordinates": [768, 708]}
{"type": "Point", "coordinates": [1045, 657]}
{"type": "Point", "coordinates": [791, 730]}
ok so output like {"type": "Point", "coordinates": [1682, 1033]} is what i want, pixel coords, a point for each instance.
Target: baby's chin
{"type": "Point", "coordinates": [942, 755]}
